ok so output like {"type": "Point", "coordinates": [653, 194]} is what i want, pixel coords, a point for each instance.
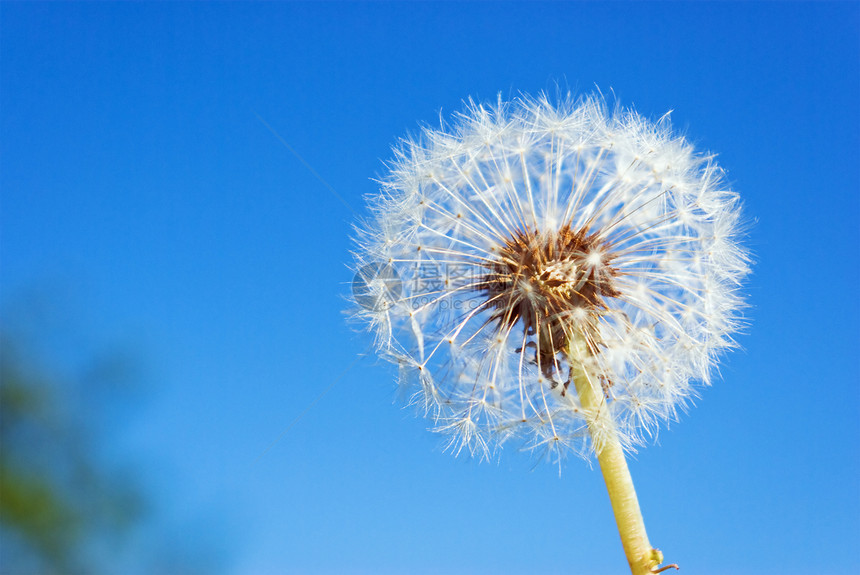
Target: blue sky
{"type": "Point", "coordinates": [140, 181]}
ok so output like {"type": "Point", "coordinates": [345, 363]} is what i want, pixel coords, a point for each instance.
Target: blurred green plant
{"type": "Point", "coordinates": [58, 499]}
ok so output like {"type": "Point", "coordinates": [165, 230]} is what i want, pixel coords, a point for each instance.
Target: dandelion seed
{"type": "Point", "coordinates": [566, 275]}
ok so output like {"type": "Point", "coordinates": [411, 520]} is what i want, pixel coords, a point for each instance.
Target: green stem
{"type": "Point", "coordinates": [643, 558]}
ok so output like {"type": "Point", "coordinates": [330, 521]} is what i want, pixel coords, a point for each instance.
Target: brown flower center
{"type": "Point", "coordinates": [552, 283]}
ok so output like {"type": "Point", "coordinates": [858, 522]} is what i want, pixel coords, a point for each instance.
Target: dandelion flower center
{"type": "Point", "coordinates": [549, 282]}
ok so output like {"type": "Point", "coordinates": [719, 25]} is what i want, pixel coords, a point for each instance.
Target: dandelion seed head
{"type": "Point", "coordinates": [525, 226]}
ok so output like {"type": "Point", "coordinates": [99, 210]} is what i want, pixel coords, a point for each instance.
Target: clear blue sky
{"type": "Point", "coordinates": [138, 177]}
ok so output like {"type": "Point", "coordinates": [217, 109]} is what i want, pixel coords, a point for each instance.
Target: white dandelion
{"type": "Point", "coordinates": [558, 273]}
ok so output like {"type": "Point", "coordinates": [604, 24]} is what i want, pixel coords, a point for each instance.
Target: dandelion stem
{"type": "Point", "coordinates": [643, 558]}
